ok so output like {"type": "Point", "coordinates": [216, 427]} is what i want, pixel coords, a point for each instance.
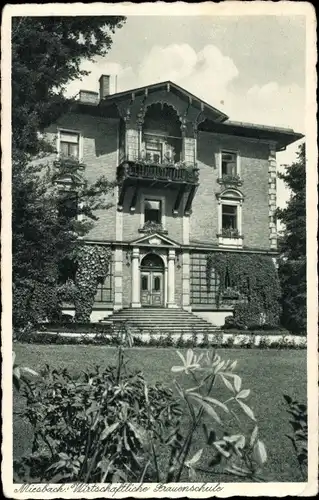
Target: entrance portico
{"type": "Point", "coordinates": [153, 266]}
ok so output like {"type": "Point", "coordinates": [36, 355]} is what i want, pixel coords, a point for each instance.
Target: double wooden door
{"type": "Point", "coordinates": [152, 288]}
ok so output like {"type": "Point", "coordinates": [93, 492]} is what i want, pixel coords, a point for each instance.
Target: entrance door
{"type": "Point", "coordinates": [152, 281]}
{"type": "Point", "coordinates": [152, 289]}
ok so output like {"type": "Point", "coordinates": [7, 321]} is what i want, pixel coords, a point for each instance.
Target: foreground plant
{"type": "Point", "coordinates": [230, 453]}
{"type": "Point", "coordinates": [109, 425]}
{"type": "Point", "coordinates": [299, 436]}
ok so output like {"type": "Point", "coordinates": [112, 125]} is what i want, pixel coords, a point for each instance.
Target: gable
{"type": "Point", "coordinates": [155, 240]}
{"type": "Point", "coordinates": [185, 103]}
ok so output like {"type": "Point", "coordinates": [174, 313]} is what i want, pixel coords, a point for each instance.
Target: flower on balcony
{"type": "Point", "coordinates": [230, 179]}
{"type": "Point", "coordinates": [230, 233]}
{"type": "Point", "coordinates": [151, 227]}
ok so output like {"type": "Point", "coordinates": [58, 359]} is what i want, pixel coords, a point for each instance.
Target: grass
{"type": "Point", "coordinates": [267, 373]}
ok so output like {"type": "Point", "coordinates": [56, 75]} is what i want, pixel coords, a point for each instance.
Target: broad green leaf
{"type": "Point", "coordinates": [216, 402]}
{"type": "Point", "coordinates": [177, 369]}
{"type": "Point", "coordinates": [233, 365]}
{"type": "Point", "coordinates": [243, 394]}
{"type": "Point", "coordinates": [227, 383]}
{"type": "Point", "coordinates": [253, 436]}
{"type": "Point", "coordinates": [189, 357]}
{"type": "Point", "coordinates": [246, 409]}
{"type": "Point", "coordinates": [29, 370]}
{"type": "Point", "coordinates": [139, 432]}
{"type": "Point", "coordinates": [195, 458]}
{"type": "Point", "coordinates": [260, 453]}
{"type": "Point", "coordinates": [219, 446]}
{"type": "Point", "coordinates": [108, 430]}
{"type": "Point", "coordinates": [210, 410]}
{"type": "Point", "coordinates": [237, 382]}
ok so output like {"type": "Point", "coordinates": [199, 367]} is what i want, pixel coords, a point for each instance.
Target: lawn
{"type": "Point", "coordinates": [268, 373]}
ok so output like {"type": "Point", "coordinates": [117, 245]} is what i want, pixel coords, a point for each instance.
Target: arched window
{"type": "Point", "coordinates": [230, 218]}
{"type": "Point", "coordinates": [152, 261]}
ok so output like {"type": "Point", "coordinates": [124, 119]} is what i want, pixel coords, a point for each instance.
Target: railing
{"type": "Point", "coordinates": [143, 170]}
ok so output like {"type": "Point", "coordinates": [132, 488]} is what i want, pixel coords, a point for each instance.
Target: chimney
{"type": "Point", "coordinates": [104, 86]}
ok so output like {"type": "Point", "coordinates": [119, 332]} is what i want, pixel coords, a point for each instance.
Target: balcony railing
{"type": "Point", "coordinates": [143, 170]}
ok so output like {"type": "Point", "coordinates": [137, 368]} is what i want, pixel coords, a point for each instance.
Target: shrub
{"type": "Point", "coordinates": [108, 425]}
{"type": "Point", "coordinates": [299, 436]}
{"type": "Point", "coordinates": [233, 323]}
{"type": "Point", "coordinates": [86, 429]}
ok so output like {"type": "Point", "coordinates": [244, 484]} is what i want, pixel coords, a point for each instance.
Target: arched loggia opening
{"type": "Point", "coordinates": [152, 281]}
{"type": "Point", "coordinates": [161, 135]}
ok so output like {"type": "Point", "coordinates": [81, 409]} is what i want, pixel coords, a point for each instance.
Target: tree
{"type": "Point", "coordinates": [292, 264]}
{"type": "Point", "coordinates": [45, 231]}
{"type": "Point", "coordinates": [46, 55]}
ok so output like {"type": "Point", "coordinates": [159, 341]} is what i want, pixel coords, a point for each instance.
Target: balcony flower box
{"type": "Point", "coordinates": [153, 227]}
{"type": "Point", "coordinates": [230, 180]}
{"type": "Point", "coordinates": [230, 233]}
{"type": "Point", "coordinates": [230, 238]}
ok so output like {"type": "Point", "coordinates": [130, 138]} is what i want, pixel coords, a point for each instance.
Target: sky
{"type": "Point", "coordinates": [250, 67]}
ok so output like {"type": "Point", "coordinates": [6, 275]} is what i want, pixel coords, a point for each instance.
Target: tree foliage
{"type": "Point", "coordinates": [292, 268]}
{"type": "Point", "coordinates": [39, 75]}
{"type": "Point", "coordinates": [43, 235]}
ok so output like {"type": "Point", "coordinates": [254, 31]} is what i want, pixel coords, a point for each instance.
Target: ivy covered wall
{"type": "Point", "coordinates": [254, 278]}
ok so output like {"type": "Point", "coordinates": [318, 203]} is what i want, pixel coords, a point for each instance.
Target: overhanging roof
{"type": "Point", "coordinates": [216, 122]}
{"type": "Point", "coordinates": [171, 87]}
{"type": "Point", "coordinates": [281, 136]}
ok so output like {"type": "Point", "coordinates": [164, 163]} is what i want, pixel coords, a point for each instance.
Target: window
{"type": "Point", "coordinates": [69, 144]}
{"type": "Point", "coordinates": [157, 284]}
{"type": "Point", "coordinates": [152, 211]}
{"type": "Point", "coordinates": [104, 291]}
{"type": "Point", "coordinates": [229, 217]}
{"type": "Point", "coordinates": [153, 151]}
{"type": "Point", "coordinates": [229, 164]}
{"type": "Point", "coordinates": [144, 283]}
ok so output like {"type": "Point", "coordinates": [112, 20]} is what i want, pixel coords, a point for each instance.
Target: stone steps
{"type": "Point", "coordinates": [175, 321]}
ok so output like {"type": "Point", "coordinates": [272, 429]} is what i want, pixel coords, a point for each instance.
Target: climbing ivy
{"type": "Point", "coordinates": [92, 268]}
{"type": "Point", "coordinates": [256, 279]}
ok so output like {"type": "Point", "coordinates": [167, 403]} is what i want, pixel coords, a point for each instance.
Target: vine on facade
{"type": "Point", "coordinates": [93, 266]}
{"type": "Point", "coordinates": [254, 277]}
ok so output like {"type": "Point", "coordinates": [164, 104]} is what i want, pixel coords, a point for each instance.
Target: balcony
{"type": "Point", "coordinates": [184, 178]}
{"type": "Point", "coordinates": [155, 173]}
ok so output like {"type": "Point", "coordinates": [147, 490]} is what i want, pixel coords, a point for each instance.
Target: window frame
{"type": "Point", "coordinates": [233, 215]}
{"type": "Point", "coordinates": [236, 200]}
{"type": "Point", "coordinates": [161, 199]}
{"type": "Point", "coordinates": [233, 152]}
{"type": "Point", "coordinates": [80, 142]}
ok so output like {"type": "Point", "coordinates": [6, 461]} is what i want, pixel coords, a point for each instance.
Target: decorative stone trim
{"type": "Point", "coordinates": [272, 190]}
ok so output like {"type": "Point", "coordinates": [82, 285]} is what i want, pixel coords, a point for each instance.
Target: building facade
{"type": "Point", "coordinates": [188, 182]}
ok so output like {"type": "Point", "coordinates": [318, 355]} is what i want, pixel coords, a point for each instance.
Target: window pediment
{"type": "Point", "coordinates": [230, 194]}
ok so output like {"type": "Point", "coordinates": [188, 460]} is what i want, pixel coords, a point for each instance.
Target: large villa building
{"type": "Point", "coordinates": [189, 182]}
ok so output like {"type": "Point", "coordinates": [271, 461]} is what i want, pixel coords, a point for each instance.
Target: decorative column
{"type": "Point", "coordinates": [118, 279]}
{"type": "Point", "coordinates": [272, 202]}
{"type": "Point", "coordinates": [136, 278]}
{"type": "Point", "coordinates": [171, 279]}
{"type": "Point", "coordinates": [185, 281]}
